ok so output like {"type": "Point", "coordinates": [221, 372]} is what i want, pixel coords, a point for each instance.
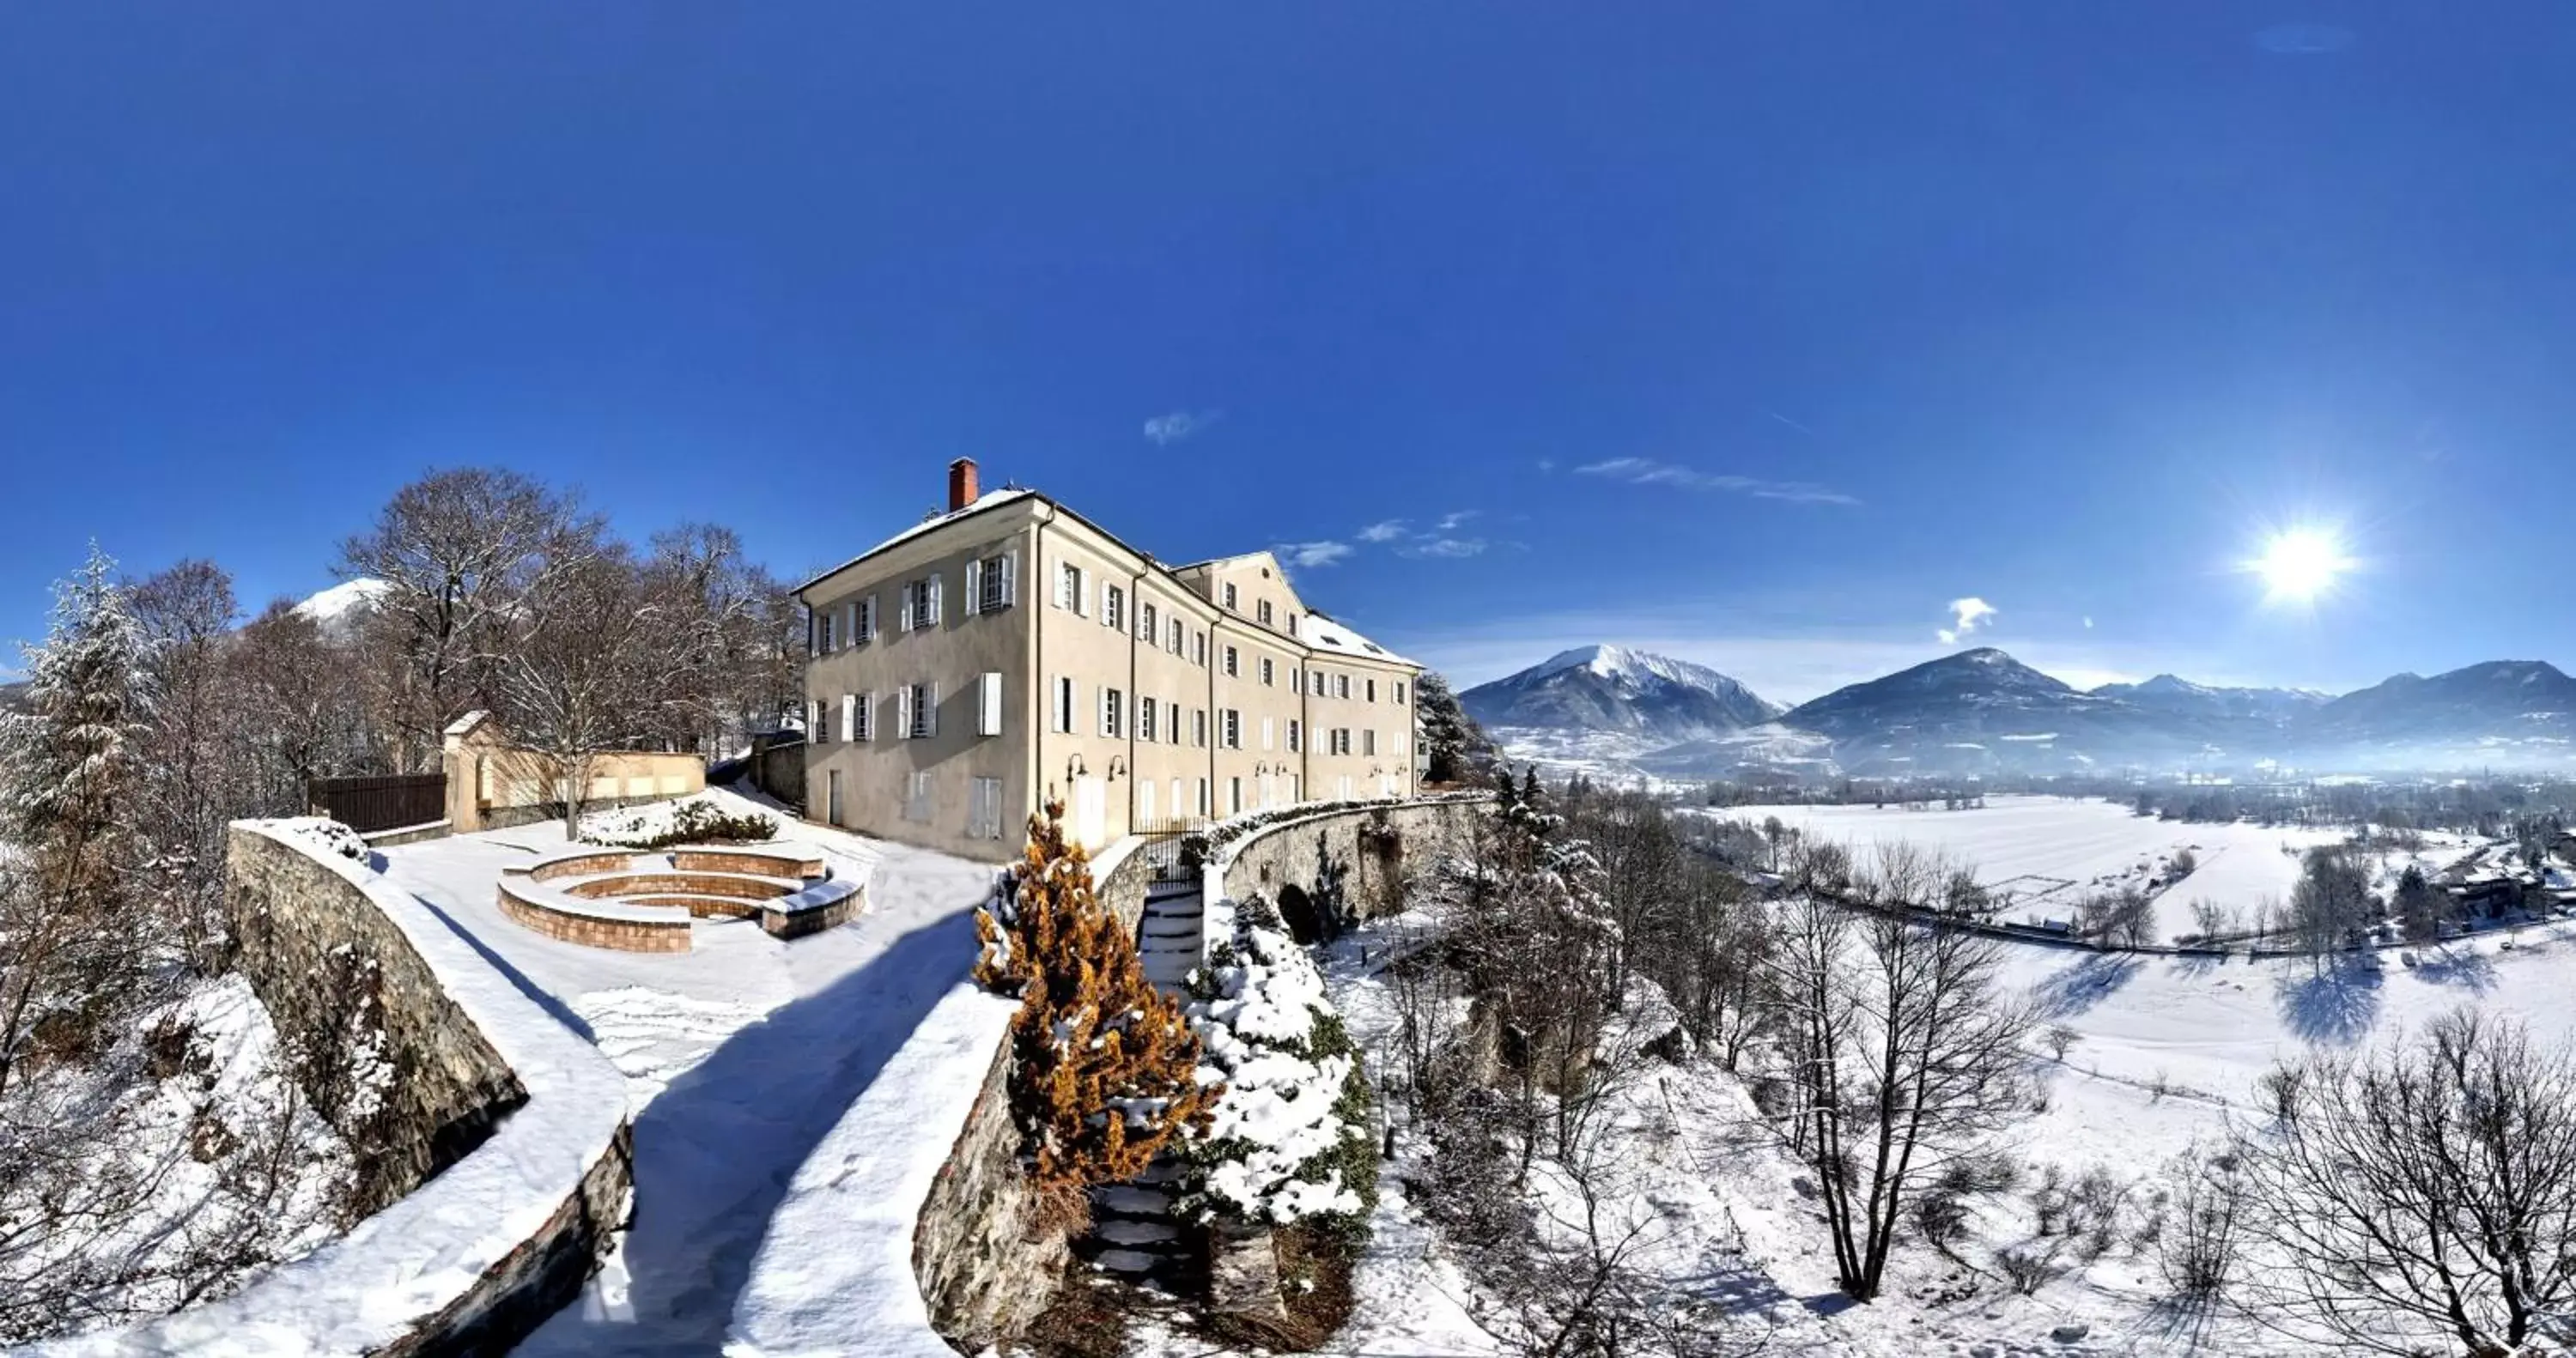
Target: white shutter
{"type": "Point", "coordinates": [850, 625]}
{"type": "Point", "coordinates": [988, 704]}
{"type": "Point", "coordinates": [932, 725]}
{"type": "Point", "coordinates": [1010, 599]}
{"type": "Point", "coordinates": [934, 599]}
{"type": "Point", "coordinates": [1082, 593]}
{"type": "Point", "coordinates": [903, 713]}
{"type": "Point", "coordinates": [1104, 711]}
{"type": "Point", "coordinates": [903, 607]}
{"type": "Point", "coordinates": [849, 716]}
{"type": "Point", "coordinates": [974, 581]}
{"type": "Point", "coordinates": [1265, 732]}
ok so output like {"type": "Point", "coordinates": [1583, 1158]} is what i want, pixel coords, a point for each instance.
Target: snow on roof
{"type": "Point", "coordinates": [987, 500]}
{"type": "Point", "coordinates": [1324, 634]}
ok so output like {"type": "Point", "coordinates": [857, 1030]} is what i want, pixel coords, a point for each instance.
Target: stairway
{"type": "Point", "coordinates": [1135, 1234]}
{"type": "Point", "coordinates": [1169, 938]}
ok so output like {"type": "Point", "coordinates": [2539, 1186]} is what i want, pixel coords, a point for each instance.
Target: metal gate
{"type": "Point", "coordinates": [390, 802]}
{"type": "Point", "coordinates": [1162, 850]}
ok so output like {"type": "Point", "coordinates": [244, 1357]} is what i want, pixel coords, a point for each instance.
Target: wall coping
{"type": "Point", "coordinates": [1218, 906]}
{"type": "Point", "coordinates": [433, 1248]}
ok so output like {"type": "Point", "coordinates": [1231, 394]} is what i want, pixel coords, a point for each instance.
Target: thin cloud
{"type": "Point", "coordinates": [1312, 553]}
{"type": "Point", "coordinates": [1639, 471]}
{"type": "Point", "coordinates": [1443, 547]}
{"type": "Point", "coordinates": [1384, 530]}
{"type": "Point", "coordinates": [1179, 425]}
{"type": "Point", "coordinates": [1455, 519]}
{"type": "Point", "coordinates": [1967, 615]}
{"type": "Point", "coordinates": [1792, 423]}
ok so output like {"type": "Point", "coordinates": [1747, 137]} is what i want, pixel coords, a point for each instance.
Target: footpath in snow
{"type": "Point", "coordinates": [741, 1055]}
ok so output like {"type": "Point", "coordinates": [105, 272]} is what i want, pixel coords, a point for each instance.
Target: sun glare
{"type": "Point", "coordinates": [2299, 564]}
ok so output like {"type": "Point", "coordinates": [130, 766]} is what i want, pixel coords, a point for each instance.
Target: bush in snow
{"type": "Point", "coordinates": [1104, 1068]}
{"type": "Point", "coordinates": [1289, 1141]}
{"type": "Point", "coordinates": [324, 835]}
{"type": "Point", "coordinates": [690, 821]}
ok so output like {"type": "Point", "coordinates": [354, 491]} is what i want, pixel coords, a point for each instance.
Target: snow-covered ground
{"type": "Point", "coordinates": [740, 1054]}
{"type": "Point", "coordinates": [2048, 853]}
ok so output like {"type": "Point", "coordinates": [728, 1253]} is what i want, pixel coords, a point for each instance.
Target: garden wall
{"type": "Point", "coordinates": [509, 1133]}
{"type": "Point", "coordinates": [1330, 870]}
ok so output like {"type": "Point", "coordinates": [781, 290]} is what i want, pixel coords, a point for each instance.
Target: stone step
{"type": "Point", "coordinates": [1163, 1170]}
{"type": "Point", "coordinates": [1131, 1200]}
{"type": "Point", "coordinates": [1136, 1233]}
{"type": "Point", "coordinates": [1165, 890]}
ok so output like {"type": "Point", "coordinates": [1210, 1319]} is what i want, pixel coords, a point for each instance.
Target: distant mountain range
{"type": "Point", "coordinates": [1982, 711]}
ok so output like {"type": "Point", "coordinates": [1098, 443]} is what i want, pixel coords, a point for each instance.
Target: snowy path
{"type": "Point", "coordinates": [740, 1055]}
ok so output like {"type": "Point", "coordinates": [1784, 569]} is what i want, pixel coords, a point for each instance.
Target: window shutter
{"type": "Point", "coordinates": [813, 631]}
{"type": "Point", "coordinates": [988, 704]}
{"type": "Point", "coordinates": [867, 716]}
{"type": "Point", "coordinates": [974, 583]}
{"type": "Point", "coordinates": [850, 624]}
{"type": "Point", "coordinates": [930, 717]}
{"type": "Point", "coordinates": [1010, 593]}
{"type": "Point", "coordinates": [1104, 712]}
{"type": "Point", "coordinates": [903, 713]}
{"type": "Point", "coordinates": [849, 716]}
{"type": "Point", "coordinates": [1081, 593]}
{"type": "Point", "coordinates": [934, 599]}
{"type": "Point", "coordinates": [903, 606]}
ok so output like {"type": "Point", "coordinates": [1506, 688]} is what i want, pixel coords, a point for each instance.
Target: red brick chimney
{"type": "Point", "coordinates": [961, 484]}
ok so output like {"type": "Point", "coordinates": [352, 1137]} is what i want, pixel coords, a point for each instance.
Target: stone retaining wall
{"type": "Point", "coordinates": [512, 1131]}
{"type": "Point", "coordinates": [302, 939]}
{"type": "Point", "coordinates": [1329, 871]}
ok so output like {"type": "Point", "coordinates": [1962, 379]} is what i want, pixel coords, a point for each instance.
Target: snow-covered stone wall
{"type": "Point", "coordinates": [1330, 870]}
{"type": "Point", "coordinates": [512, 1132]}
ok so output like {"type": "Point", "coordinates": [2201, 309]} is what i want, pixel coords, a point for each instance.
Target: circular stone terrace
{"type": "Point", "coordinates": [634, 901]}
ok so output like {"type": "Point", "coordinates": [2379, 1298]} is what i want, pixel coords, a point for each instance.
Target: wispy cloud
{"type": "Point", "coordinates": [1966, 616]}
{"type": "Point", "coordinates": [1384, 530]}
{"type": "Point", "coordinates": [1642, 471]}
{"type": "Point", "coordinates": [1455, 519]}
{"type": "Point", "coordinates": [1180, 424]}
{"type": "Point", "coordinates": [1790, 422]}
{"type": "Point", "coordinates": [1323, 553]}
{"type": "Point", "coordinates": [1443, 547]}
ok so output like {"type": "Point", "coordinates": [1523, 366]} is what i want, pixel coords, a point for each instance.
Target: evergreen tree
{"type": "Point", "coordinates": [1454, 747]}
{"type": "Point", "coordinates": [1103, 1064]}
{"type": "Point", "coordinates": [75, 955]}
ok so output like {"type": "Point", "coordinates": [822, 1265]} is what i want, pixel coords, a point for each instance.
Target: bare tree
{"type": "Point", "coordinates": [458, 551]}
{"type": "Point", "coordinates": [582, 674]}
{"type": "Point", "coordinates": [2421, 1194]}
{"type": "Point", "coordinates": [193, 774]}
{"type": "Point", "coordinates": [1906, 1057]}
{"type": "Point", "coordinates": [300, 716]}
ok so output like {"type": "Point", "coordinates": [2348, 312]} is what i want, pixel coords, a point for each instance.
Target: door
{"type": "Point", "coordinates": [836, 798]}
{"type": "Point", "coordinates": [1090, 811]}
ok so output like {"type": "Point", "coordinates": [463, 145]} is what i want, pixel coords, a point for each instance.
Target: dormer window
{"type": "Point", "coordinates": [1262, 609]}
{"type": "Point", "coordinates": [1227, 593]}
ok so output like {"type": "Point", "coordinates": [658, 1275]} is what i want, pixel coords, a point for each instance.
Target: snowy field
{"type": "Point", "coordinates": [2047, 853]}
{"type": "Point", "coordinates": [740, 1055]}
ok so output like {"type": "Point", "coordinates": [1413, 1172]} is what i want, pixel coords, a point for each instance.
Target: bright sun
{"type": "Point", "coordinates": [2299, 564]}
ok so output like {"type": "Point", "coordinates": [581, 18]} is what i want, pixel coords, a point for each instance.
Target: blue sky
{"type": "Point", "coordinates": [1758, 333]}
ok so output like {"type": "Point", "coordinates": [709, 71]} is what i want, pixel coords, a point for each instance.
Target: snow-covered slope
{"type": "Point", "coordinates": [337, 610]}
{"type": "Point", "coordinates": [1617, 690]}
{"type": "Point", "coordinates": [2168, 693]}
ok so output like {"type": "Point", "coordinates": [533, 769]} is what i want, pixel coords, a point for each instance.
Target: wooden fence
{"type": "Point", "coordinates": [391, 802]}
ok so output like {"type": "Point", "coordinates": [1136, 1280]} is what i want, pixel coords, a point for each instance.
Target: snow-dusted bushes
{"type": "Point", "coordinates": [691, 820]}
{"type": "Point", "coordinates": [325, 835]}
{"type": "Point", "coordinates": [1206, 846]}
{"type": "Point", "coordinates": [1288, 1141]}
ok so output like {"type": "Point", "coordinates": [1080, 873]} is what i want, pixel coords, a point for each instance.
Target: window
{"type": "Point", "coordinates": [1234, 791]}
{"type": "Point", "coordinates": [988, 703]}
{"type": "Point", "coordinates": [1232, 661]}
{"type": "Point", "coordinates": [1069, 586]}
{"type": "Point", "coordinates": [1064, 708]}
{"type": "Point", "coordinates": [916, 796]}
{"type": "Point", "coordinates": [918, 710]}
{"type": "Point", "coordinates": [828, 644]}
{"type": "Point", "coordinates": [1368, 742]}
{"type": "Point", "coordinates": [1113, 607]}
{"type": "Point", "coordinates": [1233, 728]}
{"type": "Point", "coordinates": [1372, 690]}
{"type": "Point", "coordinates": [1269, 732]}
{"type": "Point", "coordinates": [1112, 711]}
{"type": "Point", "coordinates": [1172, 706]}
{"type": "Point", "coordinates": [1147, 631]}
{"type": "Point", "coordinates": [1341, 686]}
{"type": "Point", "coordinates": [1198, 727]}
{"type": "Point", "coordinates": [921, 603]}
{"type": "Point", "coordinates": [992, 583]}
{"type": "Point", "coordinates": [1145, 725]}
{"type": "Point", "coordinates": [1145, 801]}
{"type": "Point", "coordinates": [1176, 636]}
{"type": "Point", "coordinates": [1292, 624]}
{"type": "Point", "coordinates": [1198, 649]}
{"type": "Point", "coordinates": [1179, 787]}
{"type": "Point", "coordinates": [1297, 679]}
{"type": "Point", "coordinates": [1341, 740]}
{"type": "Point", "coordinates": [1268, 672]}
{"type": "Point", "coordinates": [984, 809]}
{"type": "Point", "coordinates": [1296, 734]}
{"type": "Point", "coordinates": [849, 716]}
{"type": "Point", "coordinates": [1229, 597]}
{"type": "Point", "coordinates": [1399, 693]}
{"type": "Point", "coordinates": [1263, 609]}
{"type": "Point", "coordinates": [1203, 797]}
{"type": "Point", "coordinates": [868, 618]}
{"type": "Point", "coordinates": [865, 727]}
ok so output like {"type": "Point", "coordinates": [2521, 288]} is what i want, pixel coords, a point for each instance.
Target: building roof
{"type": "Point", "coordinates": [1325, 634]}
{"type": "Point", "coordinates": [991, 499]}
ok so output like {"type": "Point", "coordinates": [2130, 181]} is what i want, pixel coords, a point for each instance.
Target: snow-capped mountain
{"type": "Point", "coordinates": [1618, 691]}
{"type": "Point", "coordinates": [337, 610]}
{"type": "Point", "coordinates": [2167, 693]}
{"type": "Point", "coordinates": [1975, 710]}
{"type": "Point", "coordinates": [2501, 705]}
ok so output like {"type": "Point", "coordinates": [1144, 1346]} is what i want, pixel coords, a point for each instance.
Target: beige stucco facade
{"type": "Point", "coordinates": [1084, 671]}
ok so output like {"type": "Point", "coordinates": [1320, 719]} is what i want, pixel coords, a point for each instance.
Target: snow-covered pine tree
{"type": "Point", "coordinates": [76, 955]}
{"type": "Point", "coordinates": [1103, 1064]}
{"type": "Point", "coordinates": [1455, 749]}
